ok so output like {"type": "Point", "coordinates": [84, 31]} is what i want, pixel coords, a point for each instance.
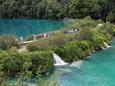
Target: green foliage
{"type": "Point", "coordinates": [74, 51]}
{"type": "Point", "coordinates": [7, 41]}
{"type": "Point", "coordinates": [14, 64]}
{"type": "Point", "coordinates": [38, 46]}
{"type": "Point", "coordinates": [86, 40]}
{"type": "Point", "coordinates": [41, 62]}
{"type": "Point", "coordinates": [86, 23]}
{"type": "Point", "coordinates": [57, 9]}
{"type": "Point", "coordinates": [98, 39]}
{"type": "Point", "coordinates": [110, 16]}
{"type": "Point", "coordinates": [84, 34]}
{"type": "Point", "coordinates": [59, 39]}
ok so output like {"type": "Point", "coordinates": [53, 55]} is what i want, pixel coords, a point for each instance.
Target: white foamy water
{"type": "Point", "coordinates": [32, 85]}
{"type": "Point", "coordinates": [88, 57]}
{"type": "Point", "coordinates": [103, 48]}
{"type": "Point", "coordinates": [76, 64]}
{"type": "Point", "coordinates": [107, 46]}
{"type": "Point", "coordinates": [58, 61]}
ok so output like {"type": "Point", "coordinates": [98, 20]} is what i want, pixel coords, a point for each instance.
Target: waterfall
{"type": "Point", "coordinates": [58, 61]}
{"type": "Point", "coordinates": [107, 46]}
{"type": "Point", "coordinates": [103, 48]}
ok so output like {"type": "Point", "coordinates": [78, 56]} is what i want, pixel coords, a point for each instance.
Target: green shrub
{"type": "Point", "coordinates": [41, 62]}
{"type": "Point", "coordinates": [7, 41]}
{"type": "Point", "coordinates": [12, 64]}
{"type": "Point", "coordinates": [59, 39]}
{"type": "Point", "coordinates": [98, 40]}
{"type": "Point", "coordinates": [71, 51]}
{"type": "Point", "coordinates": [84, 34]}
{"type": "Point", "coordinates": [38, 46]}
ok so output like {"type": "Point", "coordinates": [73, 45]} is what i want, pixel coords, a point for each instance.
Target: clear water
{"type": "Point", "coordinates": [27, 27]}
{"type": "Point", "coordinates": [97, 71]}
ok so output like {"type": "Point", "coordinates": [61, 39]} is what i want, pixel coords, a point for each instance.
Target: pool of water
{"type": "Point", "coordinates": [27, 27]}
{"type": "Point", "coordinates": [97, 71]}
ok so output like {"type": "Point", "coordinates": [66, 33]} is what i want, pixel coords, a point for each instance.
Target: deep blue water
{"type": "Point", "coordinates": [97, 71]}
{"type": "Point", "coordinates": [27, 27]}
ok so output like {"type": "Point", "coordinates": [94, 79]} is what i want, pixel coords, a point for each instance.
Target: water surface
{"type": "Point", "coordinates": [27, 27]}
{"type": "Point", "coordinates": [97, 71]}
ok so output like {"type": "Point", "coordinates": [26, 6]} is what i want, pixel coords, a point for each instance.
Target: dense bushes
{"type": "Point", "coordinates": [87, 40]}
{"type": "Point", "coordinates": [59, 39]}
{"type": "Point", "coordinates": [74, 50]}
{"type": "Point", "coordinates": [57, 9]}
{"type": "Point", "coordinates": [41, 62]}
{"type": "Point", "coordinates": [38, 46]}
{"type": "Point", "coordinates": [12, 63]}
{"type": "Point", "coordinates": [79, 49]}
{"type": "Point", "coordinates": [8, 41]}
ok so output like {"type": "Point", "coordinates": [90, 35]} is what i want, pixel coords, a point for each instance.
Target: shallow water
{"type": "Point", "coordinates": [99, 70]}
{"type": "Point", "coordinates": [27, 27]}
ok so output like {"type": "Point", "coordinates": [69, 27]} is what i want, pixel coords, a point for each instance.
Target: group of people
{"type": "Point", "coordinates": [45, 35]}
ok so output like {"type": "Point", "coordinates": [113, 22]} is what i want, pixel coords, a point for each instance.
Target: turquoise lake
{"type": "Point", "coordinates": [97, 71]}
{"type": "Point", "coordinates": [27, 27]}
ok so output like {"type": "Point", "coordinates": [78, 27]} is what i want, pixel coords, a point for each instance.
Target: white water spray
{"type": "Point", "coordinates": [58, 61]}
{"type": "Point", "coordinates": [76, 64]}
{"type": "Point", "coordinates": [107, 46]}
{"type": "Point", "coordinates": [103, 48]}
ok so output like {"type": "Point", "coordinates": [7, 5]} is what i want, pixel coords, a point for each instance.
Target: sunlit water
{"type": "Point", "coordinates": [27, 27]}
{"type": "Point", "coordinates": [97, 71]}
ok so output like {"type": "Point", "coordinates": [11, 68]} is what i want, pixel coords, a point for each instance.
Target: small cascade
{"type": "Point", "coordinates": [103, 48]}
{"type": "Point", "coordinates": [58, 61]}
{"type": "Point", "coordinates": [107, 46]}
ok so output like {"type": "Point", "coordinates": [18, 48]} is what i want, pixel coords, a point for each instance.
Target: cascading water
{"type": "Point", "coordinates": [58, 61]}
{"type": "Point", "coordinates": [103, 48]}
{"type": "Point", "coordinates": [107, 46]}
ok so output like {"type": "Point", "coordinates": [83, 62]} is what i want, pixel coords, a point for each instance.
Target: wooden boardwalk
{"type": "Point", "coordinates": [26, 42]}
